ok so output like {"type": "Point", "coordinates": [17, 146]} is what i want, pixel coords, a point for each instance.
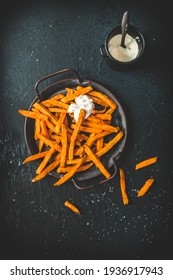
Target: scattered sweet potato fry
{"type": "Point", "coordinates": [72, 207]}
{"type": "Point", "coordinates": [145, 187]}
{"type": "Point", "coordinates": [146, 162]}
{"type": "Point", "coordinates": [123, 187]}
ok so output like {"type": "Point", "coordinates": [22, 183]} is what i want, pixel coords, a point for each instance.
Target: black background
{"type": "Point", "coordinates": [42, 37]}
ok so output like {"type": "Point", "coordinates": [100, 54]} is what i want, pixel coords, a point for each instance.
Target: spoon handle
{"type": "Point", "coordinates": [124, 26]}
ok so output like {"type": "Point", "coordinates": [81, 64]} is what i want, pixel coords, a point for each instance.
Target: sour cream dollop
{"type": "Point", "coordinates": [81, 102]}
{"type": "Point", "coordinates": [123, 54]}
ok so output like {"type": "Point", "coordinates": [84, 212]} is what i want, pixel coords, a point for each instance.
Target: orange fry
{"type": "Point", "coordinates": [104, 98]}
{"type": "Point", "coordinates": [105, 116]}
{"type": "Point", "coordinates": [99, 101]}
{"type": "Point", "coordinates": [80, 90]}
{"type": "Point", "coordinates": [88, 129]}
{"type": "Point", "coordinates": [33, 114]}
{"type": "Point", "coordinates": [146, 162]}
{"type": "Point", "coordinates": [69, 174]}
{"type": "Point", "coordinates": [53, 103]}
{"type": "Point", "coordinates": [64, 145]}
{"type": "Point", "coordinates": [35, 157]}
{"type": "Point", "coordinates": [49, 142]}
{"type": "Point", "coordinates": [72, 207]}
{"type": "Point", "coordinates": [48, 169]}
{"type": "Point", "coordinates": [99, 144]}
{"type": "Point", "coordinates": [68, 168]}
{"type": "Point", "coordinates": [45, 160]}
{"type": "Point", "coordinates": [37, 129]}
{"type": "Point", "coordinates": [145, 187]}
{"type": "Point", "coordinates": [57, 96]}
{"type": "Point", "coordinates": [97, 162]}
{"type": "Point", "coordinates": [60, 122]}
{"type": "Point", "coordinates": [45, 111]}
{"type": "Point", "coordinates": [123, 187]}
{"type": "Point", "coordinates": [75, 132]}
{"type": "Point", "coordinates": [103, 126]}
{"type": "Point", "coordinates": [110, 144]}
{"type": "Point", "coordinates": [44, 129]}
{"type": "Point", "coordinates": [58, 110]}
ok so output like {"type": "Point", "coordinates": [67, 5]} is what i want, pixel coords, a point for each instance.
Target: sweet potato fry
{"type": "Point", "coordinates": [146, 162]}
{"type": "Point", "coordinates": [35, 157]}
{"type": "Point", "coordinates": [44, 129]}
{"type": "Point", "coordinates": [33, 114]}
{"type": "Point", "coordinates": [99, 101]}
{"type": "Point", "coordinates": [88, 129]}
{"type": "Point", "coordinates": [123, 187]}
{"type": "Point", "coordinates": [64, 145]}
{"type": "Point", "coordinates": [37, 129]}
{"type": "Point", "coordinates": [50, 143]}
{"type": "Point", "coordinates": [110, 144]}
{"type": "Point", "coordinates": [110, 111]}
{"type": "Point", "coordinates": [40, 145]}
{"type": "Point", "coordinates": [53, 103]}
{"type": "Point", "coordinates": [103, 126]}
{"type": "Point", "coordinates": [75, 132]}
{"type": "Point", "coordinates": [69, 174]}
{"type": "Point", "coordinates": [45, 111]}
{"type": "Point", "coordinates": [99, 144]}
{"type": "Point", "coordinates": [60, 122]}
{"type": "Point", "coordinates": [77, 92]}
{"type": "Point", "coordinates": [105, 98]}
{"type": "Point", "coordinates": [72, 207]}
{"type": "Point", "coordinates": [94, 111]}
{"type": "Point", "coordinates": [68, 168]}
{"type": "Point", "coordinates": [105, 116]}
{"type": "Point", "coordinates": [97, 162]}
{"type": "Point", "coordinates": [56, 97]}
{"type": "Point", "coordinates": [45, 160]}
{"type": "Point", "coordinates": [57, 110]}
{"type": "Point", "coordinates": [145, 187]}
{"type": "Point", "coordinates": [48, 169]}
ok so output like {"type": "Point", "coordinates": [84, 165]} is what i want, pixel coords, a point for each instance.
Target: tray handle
{"type": "Point", "coordinates": [86, 183]}
{"type": "Point", "coordinates": [52, 75]}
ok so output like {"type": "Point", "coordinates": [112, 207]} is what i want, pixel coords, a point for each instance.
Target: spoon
{"type": "Point", "coordinates": [124, 27]}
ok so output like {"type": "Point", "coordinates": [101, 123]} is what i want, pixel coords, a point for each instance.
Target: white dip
{"type": "Point", "coordinates": [123, 54]}
{"type": "Point", "coordinates": [82, 102]}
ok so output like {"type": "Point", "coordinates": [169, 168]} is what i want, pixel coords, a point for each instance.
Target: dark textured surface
{"type": "Point", "coordinates": [46, 36]}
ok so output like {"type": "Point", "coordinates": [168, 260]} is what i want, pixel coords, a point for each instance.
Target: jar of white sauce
{"type": "Point", "coordinates": [123, 54]}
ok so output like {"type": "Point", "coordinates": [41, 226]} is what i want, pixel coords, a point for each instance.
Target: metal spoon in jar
{"type": "Point", "coordinates": [124, 27]}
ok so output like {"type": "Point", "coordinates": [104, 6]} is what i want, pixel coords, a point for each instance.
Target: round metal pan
{"type": "Point", "coordinates": [92, 176]}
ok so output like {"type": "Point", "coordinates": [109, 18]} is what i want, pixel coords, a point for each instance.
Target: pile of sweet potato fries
{"type": "Point", "coordinates": [68, 146]}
